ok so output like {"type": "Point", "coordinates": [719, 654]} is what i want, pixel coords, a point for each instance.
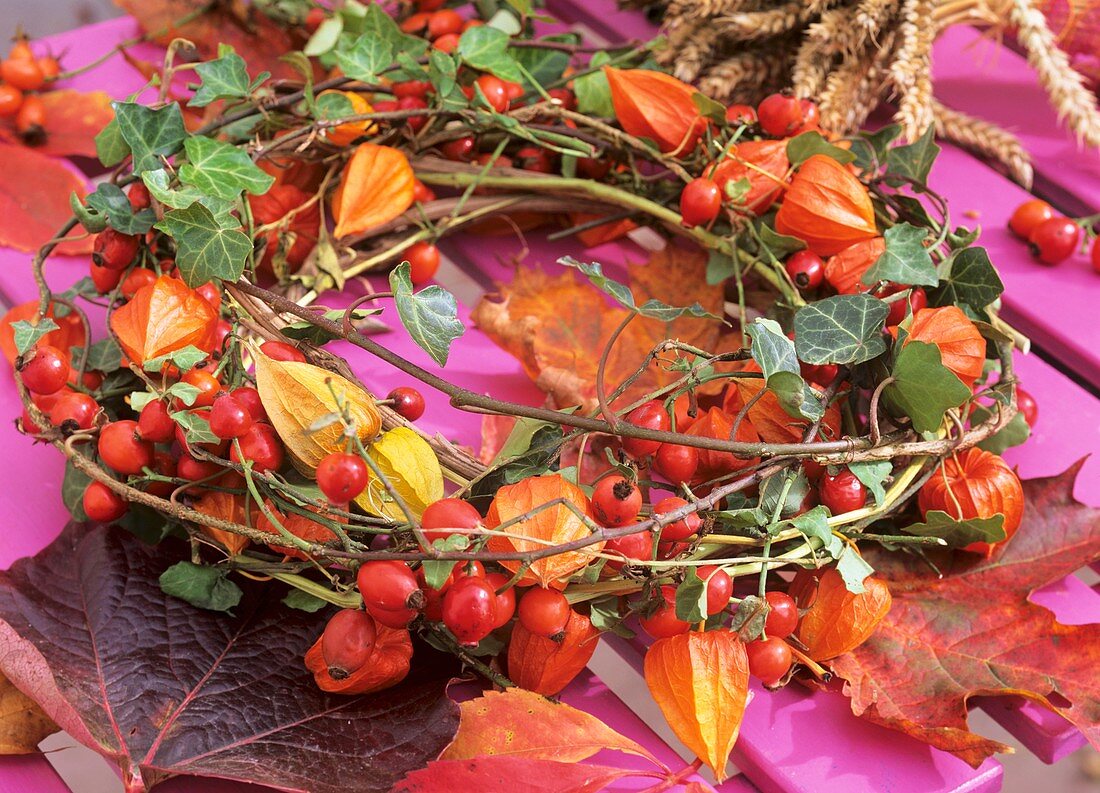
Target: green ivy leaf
{"type": "Point", "coordinates": [223, 78]}
{"type": "Point", "coordinates": [73, 485]}
{"type": "Point", "coordinates": [959, 533]}
{"type": "Point", "coordinates": [110, 147]}
{"type": "Point", "coordinates": [196, 428]}
{"type": "Point", "coordinates": [430, 315]}
{"type": "Point", "coordinates": [872, 473]}
{"type": "Point", "coordinates": [621, 294]}
{"type": "Point", "coordinates": [443, 72]}
{"type": "Point", "coordinates": [366, 57]}
{"type": "Point", "coordinates": [222, 169]}
{"type": "Point", "coordinates": [720, 267]}
{"type": "Point", "coordinates": [915, 160]}
{"type": "Point", "coordinates": [870, 148]}
{"type": "Point", "coordinates": [150, 134]}
{"type": "Point", "coordinates": [780, 245]}
{"type": "Point", "coordinates": [109, 202]}
{"type": "Point", "coordinates": [709, 108]}
{"type": "Point", "coordinates": [104, 356]}
{"type": "Point", "coordinates": [201, 586]}
{"type": "Point", "coordinates": [741, 518]}
{"type": "Point", "coordinates": [436, 572]}
{"type": "Point", "coordinates": [325, 37]}
{"type": "Point", "coordinates": [205, 248]}
{"type": "Point", "coordinates": [303, 601]}
{"type": "Point", "coordinates": [923, 388]}
{"type": "Point", "coordinates": [691, 598]}
{"type": "Point", "coordinates": [968, 277]}
{"type": "Point", "coordinates": [772, 487]}
{"type": "Point", "coordinates": [25, 335]}
{"type": "Point", "coordinates": [544, 65]}
{"type": "Point", "coordinates": [853, 569]}
{"type": "Point", "coordinates": [486, 48]}
{"type": "Point", "coordinates": [1012, 434]}
{"type": "Point", "coordinates": [184, 359]}
{"type": "Point", "coordinates": [593, 91]}
{"type": "Point", "coordinates": [845, 329]}
{"type": "Point", "coordinates": [92, 221]}
{"type": "Point", "coordinates": [159, 184]}
{"type": "Point", "coordinates": [307, 331]}
{"type": "Point", "coordinates": [775, 353]}
{"type": "Point", "coordinates": [905, 260]}
{"type": "Point", "coordinates": [802, 147]}
{"type": "Point", "coordinates": [815, 523]}
{"type": "Point", "coordinates": [605, 617]}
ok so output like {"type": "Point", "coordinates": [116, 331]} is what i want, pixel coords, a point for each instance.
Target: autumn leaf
{"type": "Point", "coordinates": [506, 774]}
{"type": "Point", "coordinates": [34, 200]}
{"type": "Point", "coordinates": [701, 682]}
{"type": "Point", "coordinates": [23, 725]}
{"type": "Point", "coordinates": [73, 119]}
{"type": "Point", "coordinates": [377, 186]}
{"type": "Point", "coordinates": [524, 724]}
{"type": "Point", "coordinates": [973, 631]}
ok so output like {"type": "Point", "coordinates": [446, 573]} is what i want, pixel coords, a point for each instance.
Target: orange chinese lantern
{"type": "Point", "coordinates": [975, 484]}
{"type": "Point", "coordinates": [764, 164]}
{"type": "Point", "coordinates": [717, 423]}
{"type": "Point", "coordinates": [826, 207]}
{"type": "Point", "coordinates": [387, 665]}
{"type": "Point", "coordinates": [844, 270]}
{"type": "Point", "coordinates": [656, 106]}
{"type": "Point", "coordinates": [163, 317]}
{"type": "Point", "coordinates": [228, 507]}
{"type": "Point", "coordinates": [837, 621]}
{"type": "Point", "coordinates": [274, 205]}
{"type": "Point", "coordinates": [347, 133]}
{"type": "Point", "coordinates": [546, 666]}
{"type": "Point", "coordinates": [377, 187]}
{"type": "Point", "coordinates": [300, 526]}
{"type": "Point", "coordinates": [962, 347]}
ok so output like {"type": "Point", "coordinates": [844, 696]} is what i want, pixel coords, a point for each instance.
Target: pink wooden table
{"type": "Point", "coordinates": [790, 741]}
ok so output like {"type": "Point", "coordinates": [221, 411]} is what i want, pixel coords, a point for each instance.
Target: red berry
{"type": "Point", "coordinates": [819, 374]}
{"type": "Point", "coordinates": [341, 477]}
{"type": "Point", "coordinates": [423, 258]}
{"type": "Point", "coordinates": [719, 587]}
{"type": "Point", "coordinates": [616, 501]}
{"type": "Point", "coordinates": [207, 385]}
{"type": "Point", "coordinates": [261, 445]}
{"type": "Point", "coordinates": [281, 351]}
{"type": "Point", "coordinates": [211, 294]}
{"type": "Point", "coordinates": [1096, 254]}
{"type": "Point", "coordinates": [443, 22]}
{"type": "Point", "coordinates": [494, 91]}
{"type": "Point", "coordinates": [193, 470]}
{"type": "Point", "coordinates": [593, 167]}
{"type": "Point", "coordinates": [11, 99]}
{"type": "Point", "coordinates": [44, 369]}
{"type": "Point", "coordinates": [22, 73]}
{"type": "Point", "coordinates": [138, 194]}
{"type": "Point", "coordinates": [250, 398]}
{"type": "Point", "coordinates": [422, 193]}
{"type": "Point", "coordinates": [769, 659]}
{"type": "Point", "coordinates": [562, 97]}
{"type": "Point", "coordinates": [462, 569]}
{"type": "Point", "coordinates": [782, 619]}
{"type": "Point", "coordinates": [535, 158]}
{"type": "Point", "coordinates": [780, 115]}
{"type": "Point", "coordinates": [681, 529]}
{"type": "Point", "coordinates": [104, 278]}
{"type": "Point", "coordinates": [459, 149]}
{"type": "Point", "coordinates": [31, 118]}
{"type": "Point", "coordinates": [165, 465]}
{"type": "Point", "coordinates": [414, 88]}
{"type": "Point", "coordinates": [221, 334]}
{"type": "Point", "coordinates": [469, 609]}
{"type": "Point", "coordinates": [544, 612]}
{"type": "Point", "coordinates": [899, 309]}
{"type": "Point", "coordinates": [741, 114]}
{"type": "Point", "coordinates": [650, 416]}
{"type": "Point", "coordinates": [102, 504]}
{"type": "Point", "coordinates": [1026, 404]}
{"type": "Point", "coordinates": [447, 43]}
{"type": "Point", "coordinates": [388, 585]}
{"type": "Point", "coordinates": [637, 546]}
{"type": "Point", "coordinates": [122, 450]}
{"type": "Point", "coordinates": [811, 116]}
{"type": "Point", "coordinates": [505, 601]}
{"type": "Point", "coordinates": [676, 463]}
{"type": "Point", "coordinates": [1055, 240]}
{"type": "Point", "coordinates": [115, 250]}
{"type": "Point", "coordinates": [842, 492]}
{"type": "Point", "coordinates": [806, 269]}
{"type": "Point", "coordinates": [700, 202]}
{"type": "Point", "coordinates": [449, 516]}
{"type": "Point", "coordinates": [394, 619]}
{"type": "Point", "coordinates": [135, 280]}
{"type": "Point", "coordinates": [74, 412]}
{"type": "Point", "coordinates": [314, 18]}
{"type": "Point", "coordinates": [407, 402]}
{"type": "Point", "coordinates": [348, 642]}
{"type": "Point", "coordinates": [663, 622]}
{"type": "Point", "coordinates": [1028, 215]}
{"type": "Point", "coordinates": [229, 418]}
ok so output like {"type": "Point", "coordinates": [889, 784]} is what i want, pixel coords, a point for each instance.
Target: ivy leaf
{"type": "Point", "coordinates": [110, 147]}
{"type": "Point", "coordinates": [25, 335]}
{"type": "Point", "coordinates": [845, 329]}
{"type": "Point", "coordinates": [225, 77]}
{"type": "Point", "coordinates": [104, 356]}
{"type": "Point", "coordinates": [854, 569]}
{"type": "Point", "coordinates": [159, 184]}
{"type": "Point", "coordinates": [222, 169]}
{"type": "Point", "coordinates": [196, 428]}
{"type": "Point", "coordinates": [593, 91]}
{"type": "Point", "coordinates": [307, 331]}
{"type": "Point", "coordinates": [202, 586]}
{"type": "Point", "coordinates": [325, 37]}
{"type": "Point", "coordinates": [73, 485]}
{"type": "Point", "coordinates": [184, 359]}
{"type": "Point", "coordinates": [772, 487]}
{"type": "Point", "coordinates": [959, 533]}
{"type": "Point", "coordinates": [815, 523]}
{"type": "Point", "coordinates": [780, 245]}
{"type": "Point", "coordinates": [968, 277]}
{"type": "Point", "coordinates": [872, 473]}
{"type": "Point", "coordinates": [303, 601]}
{"type": "Point", "coordinates": [775, 353]}
{"type": "Point", "coordinates": [544, 65]}
{"type": "Point", "coordinates": [430, 315]}
{"type": "Point", "coordinates": [802, 147]}
{"type": "Point", "coordinates": [436, 572]}
{"type": "Point", "coordinates": [205, 249]}
{"type": "Point", "coordinates": [905, 260]}
{"type": "Point", "coordinates": [1012, 434]}
{"type": "Point", "coordinates": [709, 108]}
{"type": "Point", "coordinates": [442, 72]}
{"type": "Point", "coordinates": [486, 48]}
{"type": "Point", "coordinates": [109, 202]}
{"type": "Point", "coordinates": [605, 617]}
{"type": "Point", "coordinates": [150, 134]}
{"type": "Point", "coordinates": [923, 388]}
{"type": "Point", "coordinates": [691, 598]}
{"type": "Point", "coordinates": [915, 160]}
{"type": "Point", "coordinates": [621, 294]}
{"type": "Point", "coordinates": [366, 57]}
{"type": "Point", "coordinates": [871, 148]}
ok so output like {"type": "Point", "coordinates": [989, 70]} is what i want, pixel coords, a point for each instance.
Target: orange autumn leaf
{"type": "Point", "coordinates": [717, 423]}
{"type": "Point", "coordinates": [164, 316]}
{"type": "Point", "coordinates": [975, 484]}
{"type": "Point", "coordinates": [556, 524]}
{"type": "Point", "coordinates": [387, 665]}
{"type": "Point", "coordinates": [34, 200]}
{"type": "Point", "coordinates": [961, 345]}
{"type": "Point", "coordinates": [838, 620]}
{"type": "Point", "coordinates": [844, 270]}
{"type": "Point", "coordinates": [377, 187]}
{"type": "Point", "coordinates": [826, 207]}
{"type": "Point", "coordinates": [300, 526]}
{"type": "Point", "coordinates": [73, 119]}
{"type": "Point", "coordinates": [772, 423]}
{"type": "Point", "coordinates": [656, 106]}
{"type": "Point", "coordinates": [229, 507]}
{"type": "Point", "coordinates": [746, 161]}
{"type": "Point", "coordinates": [520, 723]}
{"type": "Point", "coordinates": [70, 331]}
{"type": "Point", "coordinates": [602, 234]}
{"type": "Point", "coordinates": [545, 666]}
{"type": "Point", "coordinates": [701, 682]}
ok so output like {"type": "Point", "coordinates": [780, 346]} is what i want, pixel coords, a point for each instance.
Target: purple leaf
{"type": "Point", "coordinates": [163, 688]}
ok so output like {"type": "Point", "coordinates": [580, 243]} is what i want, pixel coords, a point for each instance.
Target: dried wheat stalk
{"type": "Point", "coordinates": [985, 139]}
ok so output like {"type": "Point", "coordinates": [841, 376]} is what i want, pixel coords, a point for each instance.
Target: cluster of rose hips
{"type": "Point", "coordinates": [24, 75]}
{"type": "Point", "coordinates": [1052, 238]}
{"type": "Point", "coordinates": [777, 115]}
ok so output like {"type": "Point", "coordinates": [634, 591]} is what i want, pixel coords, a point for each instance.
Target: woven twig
{"type": "Point", "coordinates": [986, 139]}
